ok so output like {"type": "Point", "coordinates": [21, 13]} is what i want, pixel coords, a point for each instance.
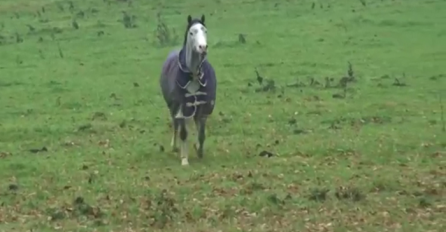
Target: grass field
{"type": "Point", "coordinates": [85, 134]}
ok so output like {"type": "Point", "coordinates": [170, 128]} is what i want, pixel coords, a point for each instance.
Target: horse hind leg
{"type": "Point", "coordinates": [200, 122]}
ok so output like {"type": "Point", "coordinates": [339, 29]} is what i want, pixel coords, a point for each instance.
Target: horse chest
{"type": "Point", "coordinates": [192, 96]}
{"type": "Point", "coordinates": [193, 87]}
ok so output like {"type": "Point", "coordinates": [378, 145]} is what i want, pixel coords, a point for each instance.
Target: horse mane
{"type": "Point", "coordinates": [189, 25]}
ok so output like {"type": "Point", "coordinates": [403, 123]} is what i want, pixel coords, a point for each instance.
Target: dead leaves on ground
{"type": "Point", "coordinates": [247, 196]}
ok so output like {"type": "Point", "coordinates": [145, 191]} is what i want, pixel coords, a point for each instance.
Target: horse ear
{"type": "Point", "coordinates": [202, 18]}
{"type": "Point", "coordinates": [189, 19]}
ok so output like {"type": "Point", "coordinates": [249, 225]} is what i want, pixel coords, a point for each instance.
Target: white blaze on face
{"type": "Point", "coordinates": [198, 37]}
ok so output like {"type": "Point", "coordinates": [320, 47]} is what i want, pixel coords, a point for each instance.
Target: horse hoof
{"type": "Point", "coordinates": [200, 153]}
{"type": "Point", "coordinates": [184, 162]}
{"type": "Point", "coordinates": [198, 150]}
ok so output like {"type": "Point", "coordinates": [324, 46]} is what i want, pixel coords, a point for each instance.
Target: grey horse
{"type": "Point", "coordinates": [189, 86]}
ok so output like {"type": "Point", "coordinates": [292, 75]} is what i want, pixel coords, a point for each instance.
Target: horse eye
{"type": "Point", "coordinates": [190, 33]}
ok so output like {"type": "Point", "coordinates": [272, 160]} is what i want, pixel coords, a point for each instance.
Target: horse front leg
{"type": "Point", "coordinates": [173, 143]}
{"type": "Point", "coordinates": [183, 144]}
{"type": "Point", "coordinates": [200, 122]}
{"type": "Point", "coordinates": [175, 125]}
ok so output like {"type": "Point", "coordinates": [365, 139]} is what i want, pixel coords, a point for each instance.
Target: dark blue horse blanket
{"type": "Point", "coordinates": [185, 96]}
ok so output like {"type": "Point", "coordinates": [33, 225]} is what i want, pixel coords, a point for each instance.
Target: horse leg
{"type": "Point", "coordinates": [200, 122]}
{"type": "Point", "coordinates": [183, 137]}
{"type": "Point", "coordinates": [175, 124]}
{"type": "Point", "coordinates": [173, 143]}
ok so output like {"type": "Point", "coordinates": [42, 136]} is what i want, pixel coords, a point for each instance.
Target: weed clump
{"type": "Point", "coordinates": [165, 35]}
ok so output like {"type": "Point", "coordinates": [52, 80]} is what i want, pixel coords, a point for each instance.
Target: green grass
{"type": "Point", "coordinates": [371, 159]}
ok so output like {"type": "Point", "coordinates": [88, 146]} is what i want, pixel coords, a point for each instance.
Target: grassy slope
{"type": "Point", "coordinates": [379, 151]}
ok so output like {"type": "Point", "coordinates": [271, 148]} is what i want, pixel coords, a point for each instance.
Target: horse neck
{"type": "Point", "coordinates": [193, 59]}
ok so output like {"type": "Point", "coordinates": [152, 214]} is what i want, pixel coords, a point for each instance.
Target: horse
{"type": "Point", "coordinates": [189, 87]}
